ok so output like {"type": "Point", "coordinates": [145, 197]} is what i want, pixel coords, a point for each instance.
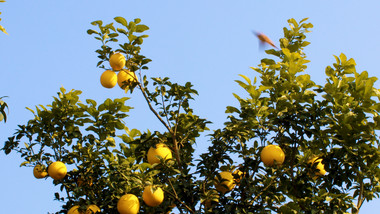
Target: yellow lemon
{"type": "Point", "coordinates": [57, 170]}
{"type": "Point", "coordinates": [126, 77]}
{"type": "Point", "coordinates": [153, 196]}
{"type": "Point", "coordinates": [74, 210]}
{"type": "Point", "coordinates": [319, 166]}
{"type": "Point", "coordinates": [128, 204]}
{"type": "Point", "coordinates": [39, 171]}
{"type": "Point", "coordinates": [108, 79]}
{"type": "Point", "coordinates": [117, 61]}
{"type": "Point", "coordinates": [91, 209]}
{"type": "Point", "coordinates": [272, 154]}
{"type": "Point", "coordinates": [161, 150]}
{"type": "Point", "coordinates": [226, 183]}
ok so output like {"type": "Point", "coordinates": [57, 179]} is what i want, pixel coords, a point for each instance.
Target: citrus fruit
{"type": "Point", "coordinates": [108, 79]}
{"type": "Point", "coordinates": [319, 166]}
{"type": "Point", "coordinates": [57, 170]}
{"type": "Point", "coordinates": [271, 155]}
{"type": "Point", "coordinates": [161, 150]}
{"type": "Point", "coordinates": [128, 204]}
{"type": "Point", "coordinates": [125, 77]}
{"type": "Point", "coordinates": [153, 196]}
{"type": "Point", "coordinates": [91, 209]}
{"type": "Point", "coordinates": [226, 182]}
{"type": "Point", "coordinates": [73, 210]}
{"type": "Point", "coordinates": [117, 61]}
{"type": "Point", "coordinates": [39, 171]}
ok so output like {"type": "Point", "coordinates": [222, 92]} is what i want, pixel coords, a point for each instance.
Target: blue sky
{"type": "Point", "coordinates": [205, 42]}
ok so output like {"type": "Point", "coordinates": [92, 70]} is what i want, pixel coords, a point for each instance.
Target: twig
{"type": "Point", "coordinates": [187, 207]}
{"type": "Point", "coordinates": [262, 191]}
{"type": "Point", "coordinates": [152, 109]}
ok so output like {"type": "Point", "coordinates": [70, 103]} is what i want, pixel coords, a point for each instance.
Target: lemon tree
{"type": "Point", "coordinates": [263, 159]}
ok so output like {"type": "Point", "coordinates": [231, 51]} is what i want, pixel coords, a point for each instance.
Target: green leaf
{"type": "Point", "coordinates": [121, 20]}
{"type": "Point", "coordinates": [98, 22]}
{"type": "Point", "coordinates": [141, 28]}
{"type": "Point", "coordinates": [90, 31]}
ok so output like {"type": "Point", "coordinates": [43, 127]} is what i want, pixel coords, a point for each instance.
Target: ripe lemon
{"type": "Point", "coordinates": [108, 79]}
{"type": "Point", "coordinates": [272, 154]}
{"type": "Point", "coordinates": [57, 170]}
{"type": "Point", "coordinates": [125, 77]}
{"type": "Point", "coordinates": [91, 209]}
{"type": "Point", "coordinates": [128, 204]}
{"type": "Point", "coordinates": [319, 166]}
{"type": "Point", "coordinates": [39, 171]}
{"type": "Point", "coordinates": [153, 196]}
{"type": "Point", "coordinates": [73, 210]}
{"type": "Point", "coordinates": [161, 150]}
{"type": "Point", "coordinates": [117, 61]}
{"type": "Point", "coordinates": [226, 183]}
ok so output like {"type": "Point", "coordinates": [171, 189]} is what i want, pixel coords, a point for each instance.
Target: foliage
{"type": "Point", "coordinates": [3, 105]}
{"type": "Point", "coordinates": [1, 27]}
{"type": "Point", "coordinates": [336, 122]}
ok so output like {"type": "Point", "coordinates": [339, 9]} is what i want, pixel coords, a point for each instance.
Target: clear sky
{"type": "Point", "coordinates": [205, 42]}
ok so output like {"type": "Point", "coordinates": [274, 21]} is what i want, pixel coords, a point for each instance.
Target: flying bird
{"type": "Point", "coordinates": [264, 39]}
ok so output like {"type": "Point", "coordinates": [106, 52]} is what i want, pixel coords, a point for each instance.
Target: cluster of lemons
{"type": "Point", "coordinates": [109, 78]}
{"type": "Point", "coordinates": [270, 155]}
{"type": "Point", "coordinates": [128, 203]}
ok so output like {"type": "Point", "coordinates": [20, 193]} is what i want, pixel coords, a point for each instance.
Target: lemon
{"type": "Point", "coordinates": [153, 196]}
{"type": "Point", "coordinates": [73, 210]}
{"type": "Point", "coordinates": [39, 171]}
{"type": "Point", "coordinates": [57, 170]}
{"type": "Point", "coordinates": [272, 154]}
{"type": "Point", "coordinates": [117, 61]}
{"type": "Point", "coordinates": [91, 209]}
{"type": "Point", "coordinates": [226, 183]}
{"type": "Point", "coordinates": [108, 79]}
{"type": "Point", "coordinates": [128, 204]}
{"type": "Point", "coordinates": [126, 77]}
{"type": "Point", "coordinates": [161, 150]}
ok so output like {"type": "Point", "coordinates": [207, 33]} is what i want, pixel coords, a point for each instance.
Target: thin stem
{"type": "Point", "coordinates": [262, 191]}
{"type": "Point", "coordinates": [164, 108]}
{"type": "Point", "coordinates": [152, 109]}
{"type": "Point", "coordinates": [176, 149]}
{"type": "Point", "coordinates": [176, 198]}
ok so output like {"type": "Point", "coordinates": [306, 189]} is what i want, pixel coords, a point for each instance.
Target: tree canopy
{"type": "Point", "coordinates": [330, 127]}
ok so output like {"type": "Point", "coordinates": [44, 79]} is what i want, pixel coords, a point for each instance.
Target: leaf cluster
{"type": "Point", "coordinates": [108, 34]}
{"type": "Point", "coordinates": [3, 106]}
